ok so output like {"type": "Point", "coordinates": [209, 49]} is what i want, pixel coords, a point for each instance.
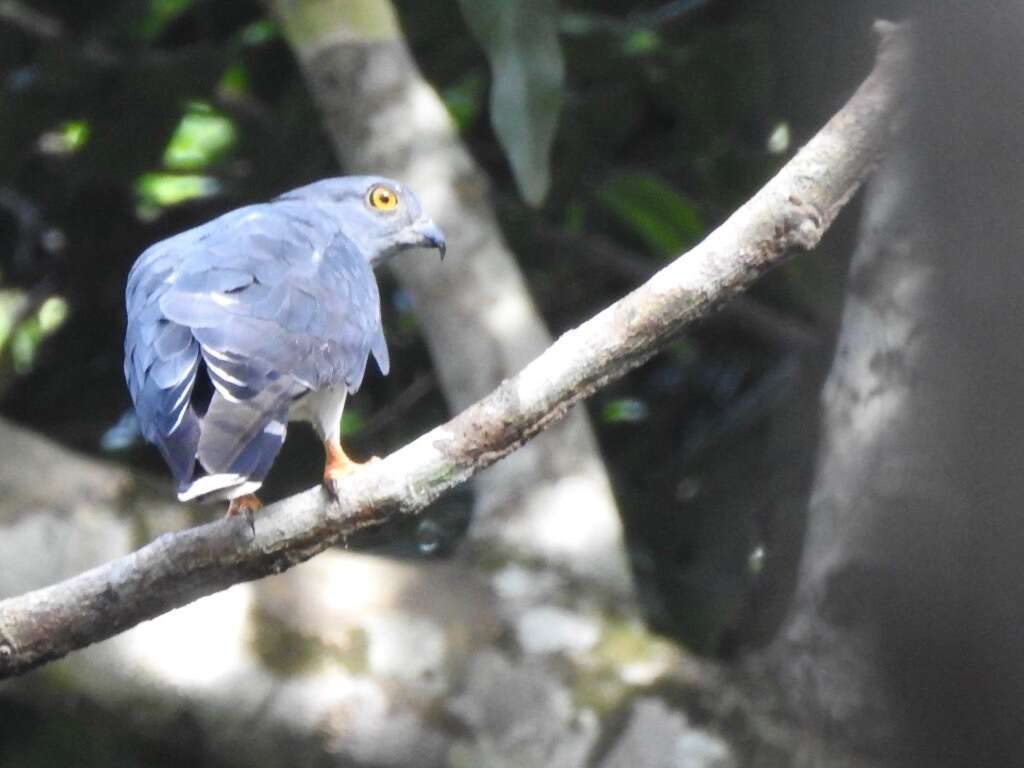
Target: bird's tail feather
{"type": "Point", "coordinates": [179, 448]}
{"type": "Point", "coordinates": [239, 441]}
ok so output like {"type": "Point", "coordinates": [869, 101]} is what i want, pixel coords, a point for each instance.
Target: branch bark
{"type": "Point", "coordinates": [791, 212]}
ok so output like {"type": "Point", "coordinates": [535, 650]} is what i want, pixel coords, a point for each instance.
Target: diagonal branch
{"type": "Point", "coordinates": [791, 212]}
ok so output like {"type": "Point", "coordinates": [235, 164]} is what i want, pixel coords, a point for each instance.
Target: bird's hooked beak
{"type": "Point", "coordinates": [430, 235]}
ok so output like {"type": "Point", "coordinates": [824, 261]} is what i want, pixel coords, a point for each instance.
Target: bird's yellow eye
{"type": "Point", "coordinates": [382, 198]}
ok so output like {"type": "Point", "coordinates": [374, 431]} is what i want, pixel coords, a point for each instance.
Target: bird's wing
{"type": "Point", "coordinates": [161, 359]}
{"type": "Point", "coordinates": [269, 305]}
{"type": "Point", "coordinates": [272, 295]}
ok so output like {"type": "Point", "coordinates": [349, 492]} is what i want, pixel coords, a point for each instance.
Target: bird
{"type": "Point", "coordinates": [265, 315]}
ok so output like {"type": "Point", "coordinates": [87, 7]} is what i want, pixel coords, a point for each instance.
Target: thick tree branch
{"type": "Point", "coordinates": [790, 213]}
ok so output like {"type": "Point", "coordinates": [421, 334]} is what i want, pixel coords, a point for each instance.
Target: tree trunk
{"type": "Point", "coordinates": [905, 631]}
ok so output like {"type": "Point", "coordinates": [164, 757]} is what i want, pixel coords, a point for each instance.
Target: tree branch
{"type": "Point", "coordinates": [791, 212]}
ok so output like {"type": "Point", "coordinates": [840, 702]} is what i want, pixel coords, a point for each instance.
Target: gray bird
{"type": "Point", "coordinates": [264, 315]}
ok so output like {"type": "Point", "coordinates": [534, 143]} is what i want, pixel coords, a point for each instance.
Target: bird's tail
{"type": "Point", "coordinates": [238, 443]}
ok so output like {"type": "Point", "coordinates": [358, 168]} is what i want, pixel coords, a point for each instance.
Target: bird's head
{"type": "Point", "coordinates": [380, 215]}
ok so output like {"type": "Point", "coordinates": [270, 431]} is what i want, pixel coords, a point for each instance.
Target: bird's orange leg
{"type": "Point", "coordinates": [338, 465]}
{"type": "Point", "coordinates": [244, 505]}
{"type": "Point", "coordinates": [247, 505]}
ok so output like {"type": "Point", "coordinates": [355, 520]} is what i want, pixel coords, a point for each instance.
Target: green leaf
{"type": "Point", "coordinates": [575, 218]}
{"type": "Point", "coordinates": [665, 220]}
{"type": "Point", "coordinates": [161, 190]}
{"type": "Point", "coordinates": [75, 133]}
{"type": "Point", "coordinates": [641, 42]}
{"type": "Point", "coordinates": [202, 137]}
{"type": "Point", "coordinates": [24, 338]}
{"type": "Point", "coordinates": [160, 15]}
{"type": "Point", "coordinates": [259, 32]}
{"type": "Point", "coordinates": [352, 423]}
{"type": "Point", "coordinates": [464, 99]}
{"type": "Point", "coordinates": [625, 410]}
{"type": "Point", "coordinates": [67, 139]}
{"type": "Point", "coordinates": [235, 80]}
{"type": "Point", "coordinates": [520, 38]}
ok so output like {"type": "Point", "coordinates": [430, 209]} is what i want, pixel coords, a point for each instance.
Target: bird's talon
{"type": "Point", "coordinates": [334, 476]}
{"type": "Point", "coordinates": [340, 466]}
{"type": "Point", "coordinates": [247, 506]}
{"type": "Point", "coordinates": [331, 484]}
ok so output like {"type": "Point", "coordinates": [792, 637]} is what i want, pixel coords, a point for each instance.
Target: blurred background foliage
{"type": "Point", "coordinates": [615, 133]}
